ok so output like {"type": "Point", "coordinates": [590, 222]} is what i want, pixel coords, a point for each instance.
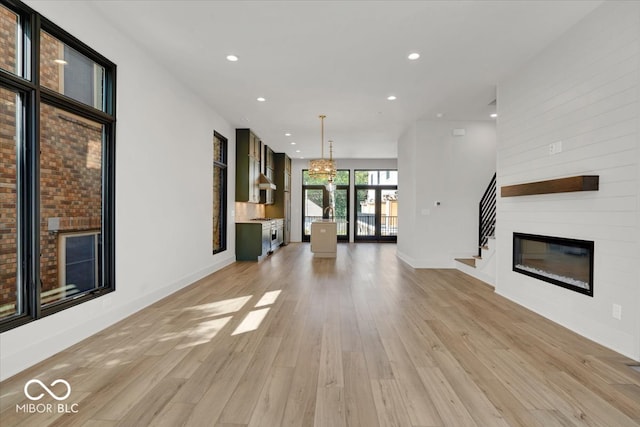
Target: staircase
{"type": "Point", "coordinates": [483, 265]}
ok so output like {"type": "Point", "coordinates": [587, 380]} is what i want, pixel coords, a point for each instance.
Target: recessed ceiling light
{"type": "Point", "coordinates": [413, 56]}
{"type": "Point", "coordinates": [293, 143]}
{"type": "Point", "coordinates": [297, 151]}
{"type": "Point", "coordinates": [287, 134]}
{"type": "Point", "coordinates": [391, 97]}
{"type": "Point", "coordinates": [60, 61]}
{"type": "Point", "coordinates": [232, 58]}
{"type": "Point", "coordinates": [494, 115]}
{"type": "Point", "coordinates": [302, 157]}
{"type": "Point", "coordinates": [261, 99]}
{"type": "Point", "coordinates": [439, 115]}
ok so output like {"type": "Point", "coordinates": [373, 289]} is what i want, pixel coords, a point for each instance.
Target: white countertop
{"type": "Point", "coordinates": [253, 221]}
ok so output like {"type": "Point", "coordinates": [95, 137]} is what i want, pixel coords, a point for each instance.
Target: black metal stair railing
{"type": "Point", "coordinates": [487, 215]}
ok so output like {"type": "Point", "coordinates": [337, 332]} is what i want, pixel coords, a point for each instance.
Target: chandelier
{"type": "Point", "coordinates": [323, 168]}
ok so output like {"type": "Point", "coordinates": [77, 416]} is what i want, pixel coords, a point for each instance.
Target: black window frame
{"type": "Point", "coordinates": [223, 165]}
{"type": "Point", "coordinates": [325, 202]}
{"type": "Point", "coordinates": [28, 163]}
{"type": "Point", "coordinates": [378, 215]}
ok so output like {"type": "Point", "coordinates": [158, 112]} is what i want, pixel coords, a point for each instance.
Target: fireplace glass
{"type": "Point", "coordinates": [563, 262]}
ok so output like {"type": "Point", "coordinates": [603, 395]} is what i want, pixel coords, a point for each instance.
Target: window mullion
{"type": "Point", "coordinates": [32, 167]}
{"type": "Point", "coordinates": [54, 99]}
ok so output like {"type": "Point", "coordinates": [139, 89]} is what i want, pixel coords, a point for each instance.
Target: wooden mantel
{"type": "Point", "coordinates": [559, 185]}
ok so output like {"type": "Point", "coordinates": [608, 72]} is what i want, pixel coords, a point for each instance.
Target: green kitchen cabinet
{"type": "Point", "coordinates": [253, 240]}
{"type": "Point", "coordinates": [267, 194]}
{"type": "Point", "coordinates": [281, 207]}
{"type": "Point", "coordinates": [247, 166]}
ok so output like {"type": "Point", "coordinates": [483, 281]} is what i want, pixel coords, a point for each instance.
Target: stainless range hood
{"type": "Point", "coordinates": [264, 183]}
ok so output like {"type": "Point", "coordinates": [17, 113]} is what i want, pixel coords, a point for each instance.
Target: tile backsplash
{"type": "Point", "coordinates": [245, 211]}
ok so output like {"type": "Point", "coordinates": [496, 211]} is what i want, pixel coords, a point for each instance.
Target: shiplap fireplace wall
{"type": "Point", "coordinates": [581, 94]}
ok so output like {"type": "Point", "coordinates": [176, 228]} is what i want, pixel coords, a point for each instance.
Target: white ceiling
{"type": "Point", "coordinates": [342, 59]}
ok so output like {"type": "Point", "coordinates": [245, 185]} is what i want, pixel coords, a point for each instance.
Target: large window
{"type": "Point", "coordinates": [219, 193]}
{"type": "Point", "coordinates": [57, 145]}
{"type": "Point", "coordinates": [376, 202]}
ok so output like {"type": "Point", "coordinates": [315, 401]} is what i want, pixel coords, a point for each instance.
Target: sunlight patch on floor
{"type": "Point", "coordinates": [268, 298]}
{"type": "Point", "coordinates": [252, 321]}
{"type": "Point", "coordinates": [219, 308]}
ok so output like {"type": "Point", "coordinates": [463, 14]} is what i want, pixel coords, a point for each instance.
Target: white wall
{"type": "Point", "coordinates": [583, 91]}
{"type": "Point", "coordinates": [436, 166]}
{"type": "Point", "coordinates": [407, 190]}
{"type": "Point", "coordinates": [297, 165]}
{"type": "Point", "coordinates": [163, 193]}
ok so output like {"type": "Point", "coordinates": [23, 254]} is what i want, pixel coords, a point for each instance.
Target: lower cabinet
{"type": "Point", "coordinates": [253, 241]}
{"type": "Point", "coordinates": [280, 231]}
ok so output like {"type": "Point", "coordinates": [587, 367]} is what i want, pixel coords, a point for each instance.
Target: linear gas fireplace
{"type": "Point", "coordinates": [563, 262]}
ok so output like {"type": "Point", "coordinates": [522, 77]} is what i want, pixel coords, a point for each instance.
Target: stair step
{"type": "Point", "coordinates": [477, 257]}
{"type": "Point", "coordinates": [485, 247]}
{"type": "Point", "coordinates": [471, 262]}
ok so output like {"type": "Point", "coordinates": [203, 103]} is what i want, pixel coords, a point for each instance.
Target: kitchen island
{"type": "Point", "coordinates": [324, 240]}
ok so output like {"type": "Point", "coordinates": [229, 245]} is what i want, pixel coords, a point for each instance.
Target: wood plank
{"type": "Point", "coordinates": [217, 391]}
{"type": "Point", "coordinates": [359, 405]}
{"type": "Point", "coordinates": [558, 185]}
{"type": "Point", "coordinates": [100, 423]}
{"type": "Point", "coordinates": [590, 408]}
{"type": "Point", "coordinates": [174, 414]}
{"type": "Point", "coordinates": [139, 386]}
{"type": "Point", "coordinates": [471, 262]}
{"type": "Point", "coordinates": [445, 399]}
{"type": "Point", "coordinates": [331, 373]}
{"type": "Point", "coordinates": [389, 406]}
{"type": "Point", "coordinates": [246, 394]}
{"type": "Point", "coordinates": [301, 399]}
{"type": "Point", "coordinates": [152, 403]}
{"type": "Point", "coordinates": [412, 391]}
{"type": "Point", "coordinates": [272, 400]}
{"type": "Point", "coordinates": [330, 407]}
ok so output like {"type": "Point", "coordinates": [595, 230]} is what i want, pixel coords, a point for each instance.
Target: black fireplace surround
{"type": "Point", "coordinates": [563, 262]}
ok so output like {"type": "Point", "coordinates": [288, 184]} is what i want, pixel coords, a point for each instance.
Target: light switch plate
{"type": "Point", "coordinates": [617, 311]}
{"type": "Point", "coordinates": [555, 147]}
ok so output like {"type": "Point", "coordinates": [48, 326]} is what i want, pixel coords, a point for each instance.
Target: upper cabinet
{"type": "Point", "coordinates": [281, 207]}
{"type": "Point", "coordinates": [247, 166]}
{"type": "Point", "coordinates": [255, 169]}
{"type": "Point", "coordinates": [266, 185]}
{"type": "Point", "coordinates": [287, 173]}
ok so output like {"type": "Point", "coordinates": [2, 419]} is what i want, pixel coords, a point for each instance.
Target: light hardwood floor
{"type": "Point", "coordinates": [362, 340]}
